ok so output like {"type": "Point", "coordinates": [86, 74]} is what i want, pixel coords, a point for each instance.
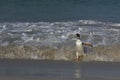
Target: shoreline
{"type": "Point", "coordinates": [97, 53]}
{"type": "Point", "coordinates": [57, 70]}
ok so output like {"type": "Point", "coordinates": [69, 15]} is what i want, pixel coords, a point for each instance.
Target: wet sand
{"type": "Point", "coordinates": [31, 78]}
{"type": "Point", "coordinates": [19, 69]}
{"type": "Point", "coordinates": [39, 78]}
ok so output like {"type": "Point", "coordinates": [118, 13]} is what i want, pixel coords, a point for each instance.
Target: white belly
{"type": "Point", "coordinates": [79, 48]}
{"type": "Point", "coordinates": [79, 44]}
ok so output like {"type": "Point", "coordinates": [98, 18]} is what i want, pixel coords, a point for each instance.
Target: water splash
{"type": "Point", "coordinates": [62, 31]}
{"type": "Point", "coordinates": [59, 35]}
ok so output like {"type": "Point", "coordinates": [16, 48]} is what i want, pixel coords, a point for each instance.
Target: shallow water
{"type": "Point", "coordinates": [47, 69]}
{"type": "Point", "coordinates": [99, 53]}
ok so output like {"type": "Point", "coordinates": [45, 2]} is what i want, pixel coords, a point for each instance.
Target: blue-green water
{"type": "Point", "coordinates": [59, 10]}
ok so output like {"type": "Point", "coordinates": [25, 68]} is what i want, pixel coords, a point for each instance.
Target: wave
{"type": "Point", "coordinates": [56, 40]}
{"type": "Point", "coordinates": [96, 32]}
{"type": "Point", "coordinates": [99, 53]}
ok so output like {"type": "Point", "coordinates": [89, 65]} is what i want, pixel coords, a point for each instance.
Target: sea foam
{"type": "Point", "coordinates": [59, 35]}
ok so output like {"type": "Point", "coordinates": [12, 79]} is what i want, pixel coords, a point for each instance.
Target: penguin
{"type": "Point", "coordinates": [80, 47]}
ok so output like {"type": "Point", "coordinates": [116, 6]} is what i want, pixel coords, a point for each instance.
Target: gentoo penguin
{"type": "Point", "coordinates": [79, 47]}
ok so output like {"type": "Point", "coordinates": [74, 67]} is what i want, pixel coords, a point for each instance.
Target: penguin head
{"type": "Point", "coordinates": [78, 35]}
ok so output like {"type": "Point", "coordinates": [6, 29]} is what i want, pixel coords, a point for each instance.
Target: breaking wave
{"type": "Point", "coordinates": [55, 40]}
{"type": "Point", "coordinates": [99, 53]}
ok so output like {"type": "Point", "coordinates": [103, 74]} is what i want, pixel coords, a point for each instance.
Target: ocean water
{"type": "Point", "coordinates": [45, 29]}
{"type": "Point", "coordinates": [59, 10]}
{"type": "Point", "coordinates": [56, 40]}
{"type": "Point", "coordinates": [43, 32]}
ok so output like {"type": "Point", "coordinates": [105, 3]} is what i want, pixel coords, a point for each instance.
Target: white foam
{"type": "Point", "coordinates": [90, 37]}
{"type": "Point", "coordinates": [64, 37]}
{"type": "Point", "coordinates": [114, 30]}
{"type": "Point", "coordinates": [102, 58]}
{"type": "Point", "coordinates": [62, 31]}
{"type": "Point", "coordinates": [38, 39]}
{"type": "Point", "coordinates": [89, 22]}
{"type": "Point", "coordinates": [4, 27]}
{"type": "Point", "coordinates": [5, 44]}
{"type": "Point", "coordinates": [116, 24]}
{"type": "Point", "coordinates": [10, 34]}
{"type": "Point", "coordinates": [34, 57]}
{"type": "Point", "coordinates": [80, 29]}
{"type": "Point", "coordinates": [26, 38]}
